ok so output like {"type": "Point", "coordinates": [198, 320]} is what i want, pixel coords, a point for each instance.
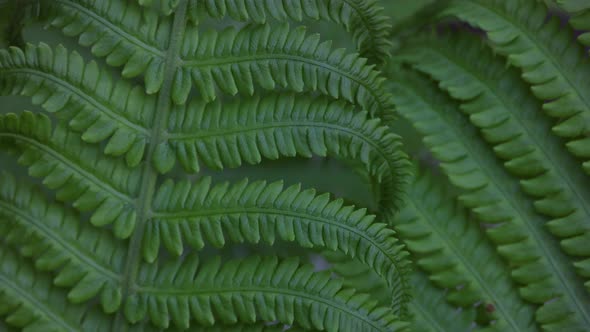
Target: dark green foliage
{"type": "Point", "coordinates": [124, 221]}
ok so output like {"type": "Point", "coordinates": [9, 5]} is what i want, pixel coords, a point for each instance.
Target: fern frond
{"type": "Point", "coordinates": [432, 313]}
{"type": "Point", "coordinates": [228, 134]}
{"type": "Point", "coordinates": [500, 104]}
{"type": "Point", "coordinates": [32, 303]}
{"type": "Point", "coordinates": [79, 172]}
{"type": "Point", "coordinates": [357, 275]}
{"type": "Point", "coordinates": [83, 94]}
{"type": "Point", "coordinates": [580, 18]}
{"type": "Point", "coordinates": [89, 261]}
{"type": "Point", "coordinates": [555, 65]}
{"type": "Point", "coordinates": [270, 56]}
{"type": "Point", "coordinates": [428, 309]}
{"type": "Point", "coordinates": [363, 19]}
{"type": "Point", "coordinates": [166, 7]}
{"type": "Point", "coordinates": [265, 212]}
{"type": "Point", "coordinates": [454, 252]}
{"type": "Point", "coordinates": [231, 60]}
{"type": "Point", "coordinates": [121, 31]}
{"type": "Point", "coordinates": [258, 327]}
{"type": "Point", "coordinates": [250, 290]}
{"type": "Point", "coordinates": [534, 256]}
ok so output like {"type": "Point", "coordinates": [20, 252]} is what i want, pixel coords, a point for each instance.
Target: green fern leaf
{"type": "Point", "coordinates": [78, 171]}
{"type": "Point", "coordinates": [234, 60]}
{"type": "Point", "coordinates": [88, 261]}
{"type": "Point", "coordinates": [266, 212]}
{"type": "Point", "coordinates": [121, 31]}
{"type": "Point", "coordinates": [248, 328]}
{"type": "Point", "coordinates": [97, 114]}
{"type": "Point", "coordinates": [535, 257]}
{"type": "Point", "coordinates": [432, 313]}
{"type": "Point", "coordinates": [555, 66]}
{"type": "Point", "coordinates": [228, 134]}
{"type": "Point", "coordinates": [284, 291]}
{"type": "Point", "coordinates": [219, 60]}
{"type": "Point", "coordinates": [31, 302]}
{"type": "Point", "coordinates": [453, 251]}
{"type": "Point", "coordinates": [580, 20]}
{"type": "Point", "coordinates": [82, 94]}
{"type": "Point", "coordinates": [361, 18]}
{"type": "Point", "coordinates": [501, 106]}
{"type": "Point", "coordinates": [428, 308]}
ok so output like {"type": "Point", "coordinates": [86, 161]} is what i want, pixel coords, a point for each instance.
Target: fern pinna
{"type": "Point", "coordinates": [130, 226]}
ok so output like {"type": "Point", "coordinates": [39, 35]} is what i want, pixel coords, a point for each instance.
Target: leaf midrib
{"type": "Point", "coordinates": [208, 212]}
{"type": "Point", "coordinates": [119, 118]}
{"type": "Point", "coordinates": [149, 175]}
{"type": "Point", "coordinates": [256, 290]}
{"type": "Point", "coordinates": [291, 125]}
{"type": "Point", "coordinates": [234, 59]}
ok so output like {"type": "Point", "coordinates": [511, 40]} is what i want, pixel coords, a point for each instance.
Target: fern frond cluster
{"type": "Point", "coordinates": [125, 219]}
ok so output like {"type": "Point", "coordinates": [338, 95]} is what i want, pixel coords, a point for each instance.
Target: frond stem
{"type": "Point", "coordinates": [149, 174]}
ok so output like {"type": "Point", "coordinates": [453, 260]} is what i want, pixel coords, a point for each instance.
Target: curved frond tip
{"type": "Point", "coordinates": [232, 133]}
